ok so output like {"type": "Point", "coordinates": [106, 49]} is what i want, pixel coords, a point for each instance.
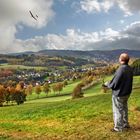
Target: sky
{"type": "Point", "coordinates": [69, 25]}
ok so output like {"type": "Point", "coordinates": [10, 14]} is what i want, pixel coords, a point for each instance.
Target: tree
{"type": "Point", "coordinates": [65, 83]}
{"type": "Point", "coordinates": [54, 88]}
{"type": "Point", "coordinates": [59, 87]}
{"type": "Point", "coordinates": [38, 90]}
{"type": "Point", "coordinates": [46, 88]}
{"type": "Point", "coordinates": [12, 91]}
{"type": "Point", "coordinates": [2, 90]}
{"type": "Point", "coordinates": [21, 83]}
{"type": "Point", "coordinates": [11, 83]}
{"type": "Point", "coordinates": [87, 80]}
{"type": "Point", "coordinates": [29, 90]}
{"type": "Point", "coordinates": [18, 87]}
{"type": "Point", "coordinates": [19, 95]}
{"type": "Point", "coordinates": [7, 95]}
{"type": "Point", "coordinates": [77, 92]}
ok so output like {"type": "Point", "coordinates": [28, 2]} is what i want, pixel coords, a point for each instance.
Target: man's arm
{"type": "Point", "coordinates": [114, 83]}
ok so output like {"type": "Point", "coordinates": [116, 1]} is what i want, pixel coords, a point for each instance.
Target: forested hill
{"type": "Point", "coordinates": [110, 55]}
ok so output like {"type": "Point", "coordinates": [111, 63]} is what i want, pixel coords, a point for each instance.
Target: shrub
{"type": "Point", "coordinates": [77, 92]}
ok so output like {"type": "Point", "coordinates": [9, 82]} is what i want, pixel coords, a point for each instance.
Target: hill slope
{"type": "Point", "coordinates": [83, 119]}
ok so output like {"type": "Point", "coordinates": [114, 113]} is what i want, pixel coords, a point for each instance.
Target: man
{"type": "Point", "coordinates": [121, 86]}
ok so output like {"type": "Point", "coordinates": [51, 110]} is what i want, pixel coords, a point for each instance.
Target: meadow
{"type": "Point", "coordinates": [61, 118]}
{"type": "Point", "coordinates": [66, 91]}
{"type": "Point", "coordinates": [8, 66]}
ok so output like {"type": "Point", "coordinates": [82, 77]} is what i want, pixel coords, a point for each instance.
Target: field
{"type": "Point", "coordinates": [60, 118]}
{"type": "Point", "coordinates": [66, 90]}
{"type": "Point", "coordinates": [7, 66]}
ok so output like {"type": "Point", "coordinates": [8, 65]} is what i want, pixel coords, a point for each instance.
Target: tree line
{"type": "Point", "coordinates": [136, 67]}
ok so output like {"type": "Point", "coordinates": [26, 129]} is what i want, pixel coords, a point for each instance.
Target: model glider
{"type": "Point", "coordinates": [33, 15]}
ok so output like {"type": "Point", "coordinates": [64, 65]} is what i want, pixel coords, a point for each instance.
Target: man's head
{"type": "Point", "coordinates": [124, 58]}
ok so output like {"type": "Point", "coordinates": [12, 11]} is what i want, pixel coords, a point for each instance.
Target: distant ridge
{"type": "Point", "coordinates": [20, 53]}
{"type": "Point", "coordinates": [107, 55]}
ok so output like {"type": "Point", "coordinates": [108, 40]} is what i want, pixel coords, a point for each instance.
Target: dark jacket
{"type": "Point", "coordinates": [121, 84]}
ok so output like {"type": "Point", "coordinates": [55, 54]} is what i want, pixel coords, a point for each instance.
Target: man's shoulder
{"type": "Point", "coordinates": [126, 68]}
{"type": "Point", "coordinates": [121, 67]}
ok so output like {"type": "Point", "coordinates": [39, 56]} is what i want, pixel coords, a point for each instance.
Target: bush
{"type": "Point", "coordinates": [77, 92]}
{"type": "Point", "coordinates": [19, 97]}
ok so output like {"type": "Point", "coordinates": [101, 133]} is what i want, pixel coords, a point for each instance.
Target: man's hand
{"type": "Point", "coordinates": [105, 87]}
{"type": "Point", "coordinates": [106, 83]}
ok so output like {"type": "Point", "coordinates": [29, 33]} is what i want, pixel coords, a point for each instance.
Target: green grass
{"type": "Point", "coordinates": [7, 66]}
{"type": "Point", "coordinates": [88, 118]}
{"type": "Point", "coordinates": [66, 90]}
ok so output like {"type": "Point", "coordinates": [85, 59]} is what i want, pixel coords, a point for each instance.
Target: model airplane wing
{"type": "Point", "coordinates": [33, 15]}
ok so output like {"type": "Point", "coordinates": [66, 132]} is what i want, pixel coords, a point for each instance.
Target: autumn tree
{"type": "Point", "coordinates": [54, 88]}
{"type": "Point", "coordinates": [2, 90]}
{"type": "Point", "coordinates": [21, 83]}
{"type": "Point", "coordinates": [38, 90]}
{"type": "Point", "coordinates": [59, 87]}
{"type": "Point", "coordinates": [18, 87]}
{"type": "Point", "coordinates": [87, 80]}
{"type": "Point", "coordinates": [7, 95]}
{"type": "Point", "coordinates": [10, 83]}
{"type": "Point", "coordinates": [90, 79]}
{"type": "Point", "coordinates": [29, 89]}
{"type": "Point", "coordinates": [19, 95]}
{"type": "Point", "coordinates": [46, 88]}
{"type": "Point", "coordinates": [12, 91]}
{"type": "Point", "coordinates": [77, 92]}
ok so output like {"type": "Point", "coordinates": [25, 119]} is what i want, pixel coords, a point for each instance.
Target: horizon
{"type": "Point", "coordinates": [68, 50]}
{"type": "Point", "coordinates": [69, 25]}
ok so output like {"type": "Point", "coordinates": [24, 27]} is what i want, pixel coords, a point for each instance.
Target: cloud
{"type": "Point", "coordinates": [127, 6]}
{"type": "Point", "coordinates": [94, 6]}
{"type": "Point", "coordinates": [129, 38]}
{"type": "Point", "coordinates": [14, 13]}
{"type": "Point", "coordinates": [133, 29]}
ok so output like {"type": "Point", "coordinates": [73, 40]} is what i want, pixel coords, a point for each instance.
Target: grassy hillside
{"type": "Point", "coordinates": [81, 119]}
{"type": "Point", "coordinates": [7, 66]}
{"type": "Point", "coordinates": [66, 90]}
